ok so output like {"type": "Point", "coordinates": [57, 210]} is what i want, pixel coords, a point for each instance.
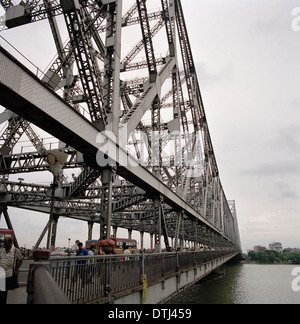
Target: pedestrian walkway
{"type": "Point", "coordinates": [17, 296]}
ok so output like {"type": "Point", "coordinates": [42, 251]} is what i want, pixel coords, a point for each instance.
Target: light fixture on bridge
{"type": "Point", "coordinates": [56, 160]}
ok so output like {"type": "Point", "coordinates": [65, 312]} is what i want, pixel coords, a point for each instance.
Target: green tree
{"type": "Point", "coordinates": [292, 256]}
{"type": "Point", "coordinates": [273, 256]}
{"type": "Point", "coordinates": [251, 255]}
{"type": "Point", "coordinates": [269, 257]}
{"type": "Point", "coordinates": [262, 257]}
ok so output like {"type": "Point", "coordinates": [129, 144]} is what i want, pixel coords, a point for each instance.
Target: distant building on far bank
{"type": "Point", "coordinates": [292, 250]}
{"type": "Point", "coordinates": [275, 246]}
{"type": "Point", "coordinates": [258, 248]}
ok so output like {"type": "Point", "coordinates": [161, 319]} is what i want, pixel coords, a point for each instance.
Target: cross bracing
{"type": "Point", "coordinates": [129, 74]}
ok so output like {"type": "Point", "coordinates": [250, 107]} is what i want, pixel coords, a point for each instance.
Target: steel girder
{"type": "Point", "coordinates": [103, 77]}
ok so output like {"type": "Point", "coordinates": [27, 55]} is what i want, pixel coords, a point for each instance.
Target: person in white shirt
{"type": "Point", "coordinates": [126, 251]}
{"type": "Point", "coordinates": [74, 247]}
{"type": "Point", "coordinates": [11, 260]}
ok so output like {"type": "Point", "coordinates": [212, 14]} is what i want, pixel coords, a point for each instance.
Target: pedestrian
{"type": "Point", "coordinates": [81, 252]}
{"type": "Point", "coordinates": [11, 260]}
{"type": "Point", "coordinates": [75, 246]}
{"type": "Point", "coordinates": [91, 266]}
{"type": "Point", "coordinates": [92, 251]}
{"type": "Point", "coordinates": [126, 251]}
{"type": "Point", "coordinates": [80, 268]}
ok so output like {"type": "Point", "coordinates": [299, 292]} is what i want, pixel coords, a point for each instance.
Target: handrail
{"type": "Point", "coordinates": [46, 290]}
{"type": "Point", "coordinates": [86, 279]}
{"type": "Point", "coordinates": [137, 255]}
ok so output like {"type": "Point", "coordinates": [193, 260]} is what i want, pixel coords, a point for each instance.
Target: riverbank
{"type": "Point", "coordinates": [273, 257]}
{"type": "Point", "coordinates": [274, 263]}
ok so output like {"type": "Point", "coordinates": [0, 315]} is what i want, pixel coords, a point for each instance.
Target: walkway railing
{"type": "Point", "coordinates": [46, 291]}
{"type": "Point", "coordinates": [89, 279]}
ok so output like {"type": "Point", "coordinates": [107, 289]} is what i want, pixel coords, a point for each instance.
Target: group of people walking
{"type": "Point", "coordinates": [86, 269]}
{"type": "Point", "coordinates": [11, 260]}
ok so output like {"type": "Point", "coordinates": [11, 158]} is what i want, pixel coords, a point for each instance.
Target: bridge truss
{"type": "Point", "coordinates": [123, 104]}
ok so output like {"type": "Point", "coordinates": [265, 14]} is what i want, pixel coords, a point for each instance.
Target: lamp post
{"type": "Point", "coordinates": [56, 160]}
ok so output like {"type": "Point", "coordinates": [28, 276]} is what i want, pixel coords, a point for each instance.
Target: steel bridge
{"type": "Point", "coordinates": [122, 105]}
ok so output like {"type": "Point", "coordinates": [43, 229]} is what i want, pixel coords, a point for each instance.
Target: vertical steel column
{"type": "Point", "coordinates": [115, 231]}
{"type": "Point", "coordinates": [52, 219]}
{"type": "Point", "coordinates": [156, 163]}
{"type": "Point", "coordinates": [164, 225]}
{"type": "Point", "coordinates": [90, 230]}
{"type": "Point", "coordinates": [196, 234]}
{"type": "Point", "coordinates": [151, 241]}
{"type": "Point", "coordinates": [177, 231]}
{"type": "Point", "coordinates": [182, 232]}
{"type": "Point", "coordinates": [156, 140]}
{"type": "Point", "coordinates": [168, 16]}
{"type": "Point", "coordinates": [111, 83]}
{"type": "Point", "coordinates": [53, 229]}
{"type": "Point", "coordinates": [176, 132]}
{"type": "Point", "coordinates": [107, 178]}
{"type": "Point", "coordinates": [158, 223]}
{"type": "Point", "coordinates": [142, 241]}
{"type": "Point", "coordinates": [129, 234]}
{"type": "Point", "coordinates": [146, 31]}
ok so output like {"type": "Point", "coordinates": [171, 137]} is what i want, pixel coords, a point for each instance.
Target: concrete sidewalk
{"type": "Point", "coordinates": [17, 296]}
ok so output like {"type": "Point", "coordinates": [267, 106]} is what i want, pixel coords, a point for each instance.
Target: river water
{"type": "Point", "coordinates": [245, 284]}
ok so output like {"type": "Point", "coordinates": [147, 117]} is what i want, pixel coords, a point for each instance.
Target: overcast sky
{"type": "Point", "coordinates": [247, 56]}
{"type": "Point", "coordinates": [249, 69]}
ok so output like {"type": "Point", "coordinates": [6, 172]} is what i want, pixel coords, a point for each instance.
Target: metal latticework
{"type": "Point", "coordinates": [128, 72]}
